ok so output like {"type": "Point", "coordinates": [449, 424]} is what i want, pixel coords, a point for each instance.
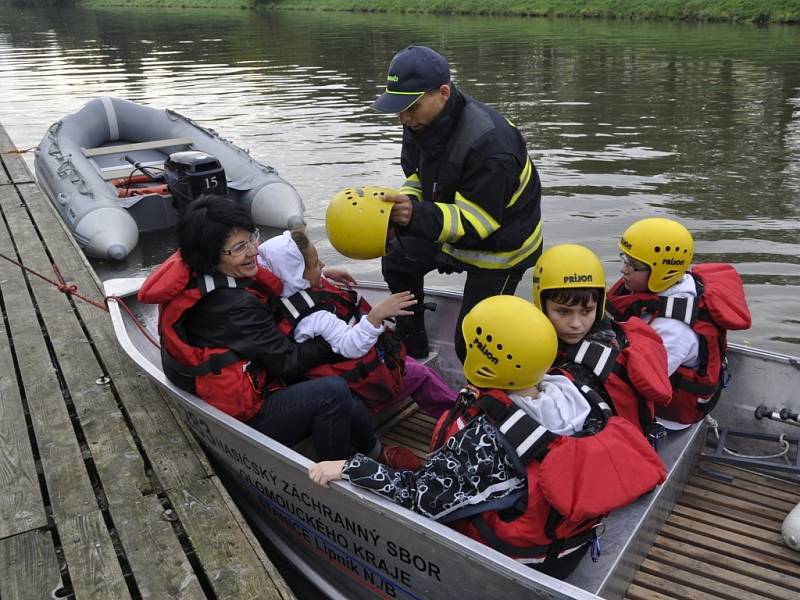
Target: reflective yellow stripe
{"type": "Point", "coordinates": [497, 260]}
{"type": "Point", "coordinates": [524, 178]}
{"type": "Point", "coordinates": [482, 221]}
{"type": "Point", "coordinates": [452, 228]}
{"type": "Point", "coordinates": [412, 187]}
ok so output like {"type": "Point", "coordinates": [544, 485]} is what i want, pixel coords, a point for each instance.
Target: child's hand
{"type": "Point", "coordinates": [392, 306]}
{"type": "Point", "coordinates": [322, 473]}
{"type": "Point", "coordinates": [339, 276]}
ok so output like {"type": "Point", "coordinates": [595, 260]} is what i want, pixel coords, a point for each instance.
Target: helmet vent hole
{"type": "Point", "coordinates": [509, 357]}
{"type": "Point", "coordinates": [488, 338]}
{"type": "Point", "coordinates": [510, 383]}
{"type": "Point", "coordinates": [355, 203]}
{"type": "Point", "coordinates": [657, 249]}
{"type": "Point", "coordinates": [499, 346]}
{"type": "Point", "coordinates": [478, 330]}
{"type": "Point", "coordinates": [667, 248]}
{"type": "Point", "coordinates": [519, 366]}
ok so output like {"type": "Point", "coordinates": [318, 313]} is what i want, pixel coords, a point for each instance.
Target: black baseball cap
{"type": "Point", "coordinates": [412, 72]}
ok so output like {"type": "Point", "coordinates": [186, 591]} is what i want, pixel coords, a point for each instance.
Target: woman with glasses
{"type": "Point", "coordinates": [220, 341]}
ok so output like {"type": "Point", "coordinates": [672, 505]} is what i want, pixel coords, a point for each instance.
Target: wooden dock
{"type": "Point", "coordinates": [103, 492]}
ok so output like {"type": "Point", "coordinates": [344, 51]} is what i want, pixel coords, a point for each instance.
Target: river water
{"type": "Point", "coordinates": [623, 119]}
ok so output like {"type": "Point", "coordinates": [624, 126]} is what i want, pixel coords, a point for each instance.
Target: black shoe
{"type": "Point", "coordinates": [416, 343]}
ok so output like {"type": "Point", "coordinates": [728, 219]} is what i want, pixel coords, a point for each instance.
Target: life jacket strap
{"type": "Point", "coordinates": [681, 309]}
{"type": "Point", "coordinates": [526, 436]}
{"type": "Point", "coordinates": [599, 358]}
{"type": "Point", "coordinates": [214, 364]}
{"type": "Point", "coordinates": [558, 546]}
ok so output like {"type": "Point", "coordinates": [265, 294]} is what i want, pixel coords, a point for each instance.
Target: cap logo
{"type": "Point", "coordinates": [575, 278]}
{"type": "Point", "coordinates": [625, 244]}
{"type": "Point", "coordinates": [394, 78]}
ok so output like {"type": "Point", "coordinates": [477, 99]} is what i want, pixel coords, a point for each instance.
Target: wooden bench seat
{"type": "Point", "coordinates": [118, 148]}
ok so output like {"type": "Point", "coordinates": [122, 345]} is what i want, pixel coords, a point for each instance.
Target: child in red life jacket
{"type": "Point", "coordinates": [691, 310]}
{"type": "Point", "coordinates": [530, 464]}
{"type": "Point", "coordinates": [312, 307]}
{"type": "Point", "coordinates": [624, 362]}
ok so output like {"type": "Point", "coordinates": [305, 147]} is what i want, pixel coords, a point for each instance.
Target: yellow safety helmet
{"type": "Point", "coordinates": [510, 343]}
{"type": "Point", "coordinates": [357, 221]}
{"type": "Point", "coordinates": [569, 266]}
{"type": "Point", "coordinates": [664, 245]}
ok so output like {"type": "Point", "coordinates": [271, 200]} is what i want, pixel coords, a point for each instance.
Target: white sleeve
{"type": "Point", "coordinates": [350, 342]}
{"type": "Point", "coordinates": [680, 343]}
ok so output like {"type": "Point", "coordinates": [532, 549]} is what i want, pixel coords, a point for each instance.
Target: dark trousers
{"type": "Point", "coordinates": [410, 259]}
{"type": "Point", "coordinates": [323, 408]}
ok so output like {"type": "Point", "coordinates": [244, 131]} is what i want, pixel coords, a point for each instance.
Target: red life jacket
{"type": "Point", "coordinates": [376, 377]}
{"type": "Point", "coordinates": [720, 305]}
{"type": "Point", "coordinates": [630, 373]}
{"type": "Point", "coordinates": [572, 482]}
{"type": "Point", "coordinates": [220, 376]}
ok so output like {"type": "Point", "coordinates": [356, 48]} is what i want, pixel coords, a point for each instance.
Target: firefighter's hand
{"type": "Point", "coordinates": [339, 276]}
{"type": "Point", "coordinates": [402, 210]}
{"type": "Point", "coordinates": [396, 305]}
{"type": "Point", "coordinates": [322, 473]}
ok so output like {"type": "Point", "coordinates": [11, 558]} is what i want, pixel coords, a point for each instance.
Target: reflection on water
{"type": "Point", "coordinates": [624, 120]}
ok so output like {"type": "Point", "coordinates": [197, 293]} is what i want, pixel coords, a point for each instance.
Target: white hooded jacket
{"type": "Point", "coordinates": [680, 341]}
{"type": "Point", "coordinates": [559, 406]}
{"type": "Point", "coordinates": [283, 258]}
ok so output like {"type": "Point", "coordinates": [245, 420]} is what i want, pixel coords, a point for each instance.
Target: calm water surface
{"type": "Point", "coordinates": [624, 120]}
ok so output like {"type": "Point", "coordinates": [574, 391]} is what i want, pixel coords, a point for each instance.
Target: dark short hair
{"type": "Point", "coordinates": [205, 225]}
{"type": "Point", "coordinates": [572, 296]}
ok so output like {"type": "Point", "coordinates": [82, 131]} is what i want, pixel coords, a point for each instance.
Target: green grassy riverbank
{"type": "Point", "coordinates": [752, 11]}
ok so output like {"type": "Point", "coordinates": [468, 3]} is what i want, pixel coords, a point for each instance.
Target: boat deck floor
{"type": "Point", "coordinates": [721, 540]}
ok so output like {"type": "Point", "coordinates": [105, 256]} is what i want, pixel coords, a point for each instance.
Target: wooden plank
{"type": "Point", "coordinates": [710, 507]}
{"type": "Point", "coordinates": [221, 546]}
{"type": "Point", "coordinates": [790, 492]}
{"type": "Point", "coordinates": [151, 145]}
{"type": "Point", "coordinates": [731, 502]}
{"type": "Point", "coordinates": [16, 167]}
{"type": "Point", "coordinates": [154, 553]}
{"type": "Point", "coordinates": [29, 566]}
{"type": "Point", "coordinates": [755, 562]}
{"type": "Point", "coordinates": [156, 426]}
{"type": "Point", "coordinates": [772, 549]}
{"type": "Point", "coordinates": [717, 568]}
{"type": "Point", "coordinates": [106, 434]}
{"type": "Point", "coordinates": [758, 497]}
{"type": "Point", "coordinates": [724, 525]}
{"type": "Point", "coordinates": [691, 577]}
{"type": "Point", "coordinates": [648, 582]}
{"type": "Point", "coordinates": [118, 462]}
{"type": "Point", "coordinates": [21, 503]}
{"type": "Point", "coordinates": [93, 566]}
{"type": "Point", "coordinates": [3, 176]}
{"type": "Point", "coordinates": [62, 462]}
{"type": "Point", "coordinates": [636, 592]}
{"type": "Point", "coordinates": [282, 590]}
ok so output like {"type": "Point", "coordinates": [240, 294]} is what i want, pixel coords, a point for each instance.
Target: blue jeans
{"type": "Point", "coordinates": [323, 408]}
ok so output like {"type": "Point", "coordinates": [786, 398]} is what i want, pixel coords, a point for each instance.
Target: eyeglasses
{"type": "Point", "coordinates": [241, 247]}
{"type": "Point", "coordinates": [633, 265]}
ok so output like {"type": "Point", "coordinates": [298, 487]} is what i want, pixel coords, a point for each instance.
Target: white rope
{"type": "Point", "coordinates": [712, 423]}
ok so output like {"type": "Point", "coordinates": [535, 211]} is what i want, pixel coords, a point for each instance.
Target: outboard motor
{"type": "Point", "coordinates": [191, 174]}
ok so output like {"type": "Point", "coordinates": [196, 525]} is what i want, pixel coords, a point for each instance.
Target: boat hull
{"type": "Point", "coordinates": [353, 544]}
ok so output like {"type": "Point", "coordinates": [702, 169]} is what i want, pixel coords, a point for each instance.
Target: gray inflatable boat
{"type": "Point", "coordinates": [83, 165]}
